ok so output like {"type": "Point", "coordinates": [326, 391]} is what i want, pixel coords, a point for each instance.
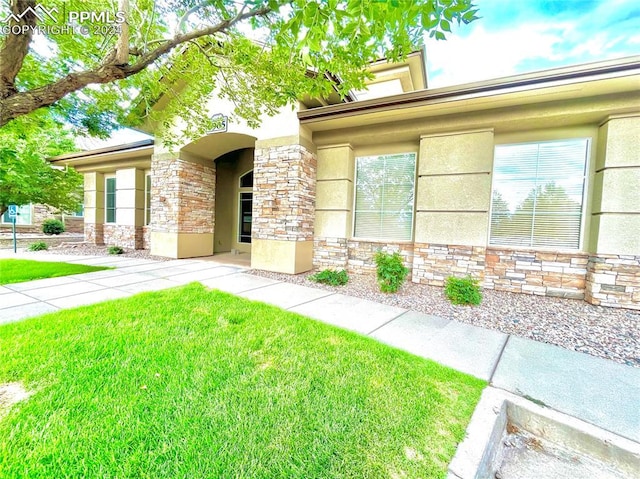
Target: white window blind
{"type": "Point", "coordinates": [537, 197]}
{"type": "Point", "coordinates": [384, 196]}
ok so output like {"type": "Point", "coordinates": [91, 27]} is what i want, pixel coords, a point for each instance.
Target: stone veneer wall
{"type": "Point", "coordinates": [146, 237]}
{"type": "Point", "coordinates": [94, 233]}
{"type": "Point", "coordinates": [330, 253]}
{"type": "Point", "coordinates": [355, 256]}
{"type": "Point", "coordinates": [536, 272]}
{"type": "Point", "coordinates": [182, 196]}
{"type": "Point", "coordinates": [123, 235]}
{"type": "Point", "coordinates": [361, 254]}
{"type": "Point", "coordinates": [613, 280]}
{"type": "Point", "coordinates": [74, 224]}
{"type": "Point", "coordinates": [607, 280]}
{"type": "Point", "coordinates": [284, 193]}
{"type": "Point", "coordinates": [433, 263]}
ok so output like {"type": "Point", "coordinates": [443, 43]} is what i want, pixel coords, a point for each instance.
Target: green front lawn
{"type": "Point", "coordinates": [19, 270]}
{"type": "Point", "coordinates": [193, 383]}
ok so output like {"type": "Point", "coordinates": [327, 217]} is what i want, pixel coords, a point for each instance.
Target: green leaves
{"type": "Point", "coordinates": [391, 271]}
{"type": "Point", "coordinates": [462, 290]}
{"type": "Point", "coordinates": [259, 75]}
{"type": "Point", "coordinates": [331, 277]}
{"type": "Point", "coordinates": [25, 175]}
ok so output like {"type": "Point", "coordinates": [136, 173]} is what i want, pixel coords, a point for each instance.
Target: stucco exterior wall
{"type": "Point", "coordinates": [452, 218]}
{"type": "Point", "coordinates": [613, 277]}
{"type": "Point", "coordinates": [454, 188]}
{"type": "Point", "coordinates": [128, 229]}
{"type": "Point", "coordinates": [94, 207]}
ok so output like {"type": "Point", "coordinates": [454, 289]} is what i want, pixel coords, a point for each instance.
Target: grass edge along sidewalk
{"type": "Point", "coordinates": [191, 382]}
{"type": "Point", "coordinates": [21, 270]}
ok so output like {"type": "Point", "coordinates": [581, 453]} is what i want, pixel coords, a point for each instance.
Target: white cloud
{"type": "Point", "coordinates": [491, 54]}
{"type": "Point", "coordinates": [513, 38]}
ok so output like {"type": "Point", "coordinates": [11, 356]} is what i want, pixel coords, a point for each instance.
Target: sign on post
{"type": "Point", "coordinates": [13, 213]}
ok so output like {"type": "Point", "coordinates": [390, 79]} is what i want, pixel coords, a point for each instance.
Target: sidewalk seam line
{"type": "Point", "coordinates": [310, 301]}
{"type": "Point", "coordinates": [40, 287]}
{"type": "Point", "coordinates": [495, 366]}
{"type": "Point", "coordinates": [69, 295]}
{"type": "Point", "coordinates": [244, 290]}
{"type": "Point", "coordinates": [387, 322]}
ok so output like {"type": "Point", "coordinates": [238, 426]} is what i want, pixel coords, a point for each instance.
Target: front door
{"type": "Point", "coordinates": [246, 211]}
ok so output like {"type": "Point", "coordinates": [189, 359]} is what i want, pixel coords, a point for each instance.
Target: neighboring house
{"type": "Point", "coordinates": [30, 218]}
{"type": "Point", "coordinates": [530, 183]}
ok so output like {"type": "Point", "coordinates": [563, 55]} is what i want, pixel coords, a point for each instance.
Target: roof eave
{"type": "Point", "coordinates": [529, 80]}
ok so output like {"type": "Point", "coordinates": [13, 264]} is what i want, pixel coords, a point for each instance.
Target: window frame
{"type": "Point", "coordinates": [243, 190]}
{"type": "Point", "coordinates": [585, 206]}
{"type": "Point", "coordinates": [115, 199]}
{"type": "Point", "coordinates": [413, 206]}
{"type": "Point", "coordinates": [147, 199]}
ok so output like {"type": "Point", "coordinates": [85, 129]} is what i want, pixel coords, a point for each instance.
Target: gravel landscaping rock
{"type": "Point", "coordinates": [85, 249]}
{"type": "Point", "coordinates": [611, 333]}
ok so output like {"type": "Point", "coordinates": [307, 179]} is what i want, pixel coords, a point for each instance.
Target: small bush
{"type": "Point", "coordinates": [328, 276]}
{"type": "Point", "coordinates": [38, 246]}
{"type": "Point", "coordinates": [391, 272]}
{"type": "Point", "coordinates": [115, 250]}
{"type": "Point", "coordinates": [462, 290]}
{"type": "Point", "coordinates": [52, 227]}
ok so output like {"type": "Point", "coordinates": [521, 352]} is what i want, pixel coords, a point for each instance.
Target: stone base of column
{"type": "Point", "coordinates": [282, 256]}
{"type": "Point", "coordinates": [181, 245]}
{"type": "Point", "coordinates": [614, 281]}
{"type": "Point", "coordinates": [94, 233]}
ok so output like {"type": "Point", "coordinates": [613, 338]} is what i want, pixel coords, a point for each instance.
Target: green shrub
{"type": "Point", "coordinates": [328, 276]}
{"type": "Point", "coordinates": [391, 272]}
{"type": "Point", "coordinates": [115, 250]}
{"type": "Point", "coordinates": [38, 246]}
{"type": "Point", "coordinates": [52, 227]}
{"type": "Point", "coordinates": [462, 290]}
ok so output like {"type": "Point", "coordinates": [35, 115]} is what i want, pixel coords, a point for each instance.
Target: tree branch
{"type": "Point", "coordinates": [20, 103]}
{"type": "Point", "coordinates": [16, 47]}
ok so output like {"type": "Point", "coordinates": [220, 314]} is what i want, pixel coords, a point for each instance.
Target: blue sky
{"type": "Point", "coordinates": [518, 36]}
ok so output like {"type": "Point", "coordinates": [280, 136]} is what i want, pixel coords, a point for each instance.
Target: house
{"type": "Point", "coordinates": [530, 183]}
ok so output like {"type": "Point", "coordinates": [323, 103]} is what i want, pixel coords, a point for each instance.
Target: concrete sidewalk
{"type": "Point", "coordinates": [595, 390]}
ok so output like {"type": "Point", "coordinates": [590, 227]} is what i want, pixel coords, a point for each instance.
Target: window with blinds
{"type": "Point", "coordinates": [537, 197]}
{"type": "Point", "coordinates": [384, 196]}
{"type": "Point", "coordinates": [110, 200]}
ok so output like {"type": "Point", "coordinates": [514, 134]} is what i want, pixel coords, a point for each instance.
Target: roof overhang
{"type": "Point", "coordinates": [570, 83]}
{"type": "Point", "coordinates": [130, 155]}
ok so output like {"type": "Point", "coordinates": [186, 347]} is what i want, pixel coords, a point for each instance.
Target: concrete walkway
{"type": "Point", "coordinates": [595, 390]}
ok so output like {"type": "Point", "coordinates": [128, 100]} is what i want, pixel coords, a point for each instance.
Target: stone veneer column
{"type": "Point", "coordinates": [94, 208]}
{"type": "Point", "coordinates": [284, 192]}
{"type": "Point", "coordinates": [334, 204]}
{"type": "Point", "coordinates": [613, 271]}
{"type": "Point", "coordinates": [182, 206]}
{"type": "Point", "coordinates": [452, 208]}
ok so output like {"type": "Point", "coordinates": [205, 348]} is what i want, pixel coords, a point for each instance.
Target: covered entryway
{"type": "Point", "coordinates": [234, 202]}
{"type": "Point", "coordinates": [198, 205]}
